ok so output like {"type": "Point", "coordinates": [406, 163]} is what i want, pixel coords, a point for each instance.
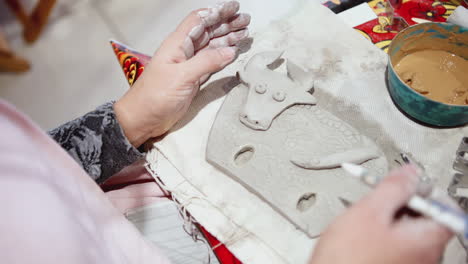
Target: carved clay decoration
{"type": "Point", "coordinates": [271, 137]}
{"type": "Point", "coordinates": [272, 91]}
{"type": "Point", "coordinates": [356, 156]}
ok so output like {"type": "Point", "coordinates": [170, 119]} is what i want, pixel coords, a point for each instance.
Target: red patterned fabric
{"type": "Point", "coordinates": [396, 15]}
{"type": "Point", "coordinates": [132, 62]}
{"type": "Point", "coordinates": [220, 250]}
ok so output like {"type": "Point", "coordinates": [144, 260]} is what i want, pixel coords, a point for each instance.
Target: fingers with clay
{"type": "Point", "coordinates": [220, 26]}
{"type": "Point", "coordinates": [230, 39]}
{"type": "Point", "coordinates": [202, 44]}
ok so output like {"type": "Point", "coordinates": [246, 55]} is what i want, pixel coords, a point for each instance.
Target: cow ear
{"type": "Point", "coordinates": [297, 74]}
{"type": "Point", "coordinates": [309, 99]}
{"type": "Point", "coordinates": [243, 77]}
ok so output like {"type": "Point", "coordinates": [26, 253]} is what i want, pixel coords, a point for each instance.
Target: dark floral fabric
{"type": "Point", "coordinates": [96, 141]}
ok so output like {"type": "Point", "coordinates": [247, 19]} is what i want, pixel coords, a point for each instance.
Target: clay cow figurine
{"type": "Point", "coordinates": [270, 93]}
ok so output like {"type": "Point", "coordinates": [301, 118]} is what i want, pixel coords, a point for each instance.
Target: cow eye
{"type": "Point", "coordinates": [279, 96]}
{"type": "Point", "coordinates": [260, 88]}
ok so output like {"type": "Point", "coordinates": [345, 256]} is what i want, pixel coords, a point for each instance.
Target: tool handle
{"type": "Point", "coordinates": [442, 214]}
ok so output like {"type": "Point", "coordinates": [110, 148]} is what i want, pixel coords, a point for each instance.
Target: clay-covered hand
{"type": "Point", "coordinates": [204, 43]}
{"type": "Point", "coordinates": [369, 232]}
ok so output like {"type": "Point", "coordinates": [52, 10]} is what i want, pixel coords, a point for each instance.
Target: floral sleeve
{"type": "Point", "coordinates": [96, 141]}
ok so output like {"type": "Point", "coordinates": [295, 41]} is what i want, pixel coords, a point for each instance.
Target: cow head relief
{"type": "Point", "coordinates": [270, 91]}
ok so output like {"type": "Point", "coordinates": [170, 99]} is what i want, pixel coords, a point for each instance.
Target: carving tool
{"type": "Point", "coordinates": [442, 213]}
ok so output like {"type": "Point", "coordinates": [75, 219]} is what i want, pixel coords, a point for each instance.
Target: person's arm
{"type": "Point", "coordinates": [374, 230]}
{"type": "Point", "coordinates": [105, 140]}
{"type": "Point", "coordinates": [97, 142]}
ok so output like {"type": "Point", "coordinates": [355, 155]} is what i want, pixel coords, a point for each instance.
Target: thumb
{"type": "Point", "coordinates": [209, 61]}
{"type": "Point", "coordinates": [395, 191]}
{"type": "Point", "coordinates": [424, 231]}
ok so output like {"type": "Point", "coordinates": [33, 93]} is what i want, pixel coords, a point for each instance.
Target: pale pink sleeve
{"type": "Point", "coordinates": [51, 211]}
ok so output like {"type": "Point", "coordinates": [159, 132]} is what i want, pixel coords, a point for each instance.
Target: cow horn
{"type": "Point", "coordinates": [262, 60]}
{"type": "Point", "coordinates": [296, 73]}
{"type": "Point", "coordinates": [259, 61]}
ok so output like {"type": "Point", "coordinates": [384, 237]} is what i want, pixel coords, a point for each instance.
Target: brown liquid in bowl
{"type": "Point", "coordinates": [436, 74]}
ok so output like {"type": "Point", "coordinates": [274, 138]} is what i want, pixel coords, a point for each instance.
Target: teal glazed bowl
{"type": "Point", "coordinates": [435, 36]}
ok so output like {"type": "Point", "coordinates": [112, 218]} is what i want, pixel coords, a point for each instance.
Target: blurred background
{"type": "Point", "coordinates": [66, 67]}
{"type": "Point", "coordinates": [72, 66]}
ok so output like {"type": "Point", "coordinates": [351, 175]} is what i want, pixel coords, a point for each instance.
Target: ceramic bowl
{"type": "Point", "coordinates": [440, 36]}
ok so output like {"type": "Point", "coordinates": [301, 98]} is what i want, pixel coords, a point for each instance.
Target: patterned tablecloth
{"type": "Point", "coordinates": [396, 15]}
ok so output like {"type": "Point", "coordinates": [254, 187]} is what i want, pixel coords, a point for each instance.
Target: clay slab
{"type": "Point", "coordinates": [261, 160]}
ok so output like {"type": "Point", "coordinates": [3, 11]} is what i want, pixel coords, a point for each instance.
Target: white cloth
{"type": "Point", "coordinates": [459, 17]}
{"type": "Point", "coordinates": [349, 68]}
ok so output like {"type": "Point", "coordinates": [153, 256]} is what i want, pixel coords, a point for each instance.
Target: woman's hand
{"type": "Point", "coordinates": [369, 233]}
{"type": "Point", "coordinates": [204, 43]}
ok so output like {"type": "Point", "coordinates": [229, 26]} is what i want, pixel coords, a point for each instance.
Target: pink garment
{"type": "Point", "coordinates": [140, 188]}
{"type": "Point", "coordinates": [52, 211]}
